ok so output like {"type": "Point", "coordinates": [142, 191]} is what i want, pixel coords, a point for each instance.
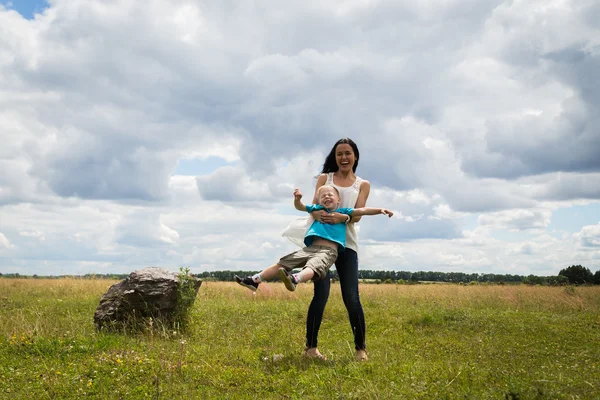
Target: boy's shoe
{"type": "Point", "coordinates": [287, 279]}
{"type": "Point", "coordinates": [246, 282]}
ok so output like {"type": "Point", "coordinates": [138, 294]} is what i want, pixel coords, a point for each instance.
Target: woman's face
{"type": "Point", "coordinates": [344, 157]}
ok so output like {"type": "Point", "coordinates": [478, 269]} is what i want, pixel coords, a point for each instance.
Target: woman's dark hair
{"type": "Point", "coordinates": [330, 165]}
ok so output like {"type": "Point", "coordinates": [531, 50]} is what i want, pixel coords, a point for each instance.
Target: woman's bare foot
{"type": "Point", "coordinates": [361, 355]}
{"type": "Point", "coordinates": [314, 353]}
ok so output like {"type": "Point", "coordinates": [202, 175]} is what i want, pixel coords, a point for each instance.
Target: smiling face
{"type": "Point", "coordinates": [344, 157]}
{"type": "Point", "coordinates": [329, 197]}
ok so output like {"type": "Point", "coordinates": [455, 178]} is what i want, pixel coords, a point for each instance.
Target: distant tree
{"type": "Point", "coordinates": [597, 277]}
{"type": "Point", "coordinates": [408, 277]}
{"type": "Point", "coordinates": [559, 280]}
{"type": "Point", "coordinates": [534, 280]}
{"type": "Point", "coordinates": [577, 274]}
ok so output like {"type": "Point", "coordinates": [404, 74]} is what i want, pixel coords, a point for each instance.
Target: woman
{"type": "Point", "coordinates": [339, 171]}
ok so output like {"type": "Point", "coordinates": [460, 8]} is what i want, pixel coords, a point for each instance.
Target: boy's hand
{"type": "Point", "coordinates": [387, 212]}
{"type": "Point", "coordinates": [297, 194]}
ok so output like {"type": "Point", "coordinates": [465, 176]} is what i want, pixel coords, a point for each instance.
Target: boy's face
{"type": "Point", "coordinates": [329, 198]}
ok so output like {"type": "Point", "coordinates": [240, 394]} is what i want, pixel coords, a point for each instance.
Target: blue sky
{"type": "Point", "coordinates": [572, 218]}
{"type": "Point", "coordinates": [27, 8]}
{"type": "Point", "coordinates": [173, 133]}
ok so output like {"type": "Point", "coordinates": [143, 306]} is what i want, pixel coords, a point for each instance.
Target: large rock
{"type": "Point", "coordinates": [149, 292]}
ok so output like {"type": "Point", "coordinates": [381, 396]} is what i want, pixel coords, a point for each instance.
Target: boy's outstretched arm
{"type": "Point", "coordinates": [372, 211]}
{"type": "Point", "coordinates": [298, 202]}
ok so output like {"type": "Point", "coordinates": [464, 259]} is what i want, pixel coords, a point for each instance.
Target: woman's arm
{"type": "Point", "coordinates": [320, 182]}
{"type": "Point", "coordinates": [372, 211]}
{"type": "Point", "coordinates": [363, 195]}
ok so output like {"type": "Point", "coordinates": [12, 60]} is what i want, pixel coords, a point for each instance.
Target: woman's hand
{"type": "Point", "coordinates": [318, 215]}
{"type": "Point", "coordinates": [329, 218]}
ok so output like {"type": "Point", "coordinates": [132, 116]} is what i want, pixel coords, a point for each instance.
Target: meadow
{"type": "Point", "coordinates": [424, 342]}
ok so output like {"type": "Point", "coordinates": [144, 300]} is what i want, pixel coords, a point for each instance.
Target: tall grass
{"type": "Point", "coordinates": [424, 341]}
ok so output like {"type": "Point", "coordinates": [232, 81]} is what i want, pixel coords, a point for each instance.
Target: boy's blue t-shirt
{"type": "Point", "coordinates": [334, 232]}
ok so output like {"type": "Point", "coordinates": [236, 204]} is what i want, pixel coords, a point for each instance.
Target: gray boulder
{"type": "Point", "coordinates": [150, 292]}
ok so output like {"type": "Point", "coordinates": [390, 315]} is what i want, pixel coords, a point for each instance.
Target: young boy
{"type": "Point", "coordinates": [323, 241]}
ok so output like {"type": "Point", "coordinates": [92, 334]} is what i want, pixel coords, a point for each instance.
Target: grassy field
{"type": "Point", "coordinates": [424, 342]}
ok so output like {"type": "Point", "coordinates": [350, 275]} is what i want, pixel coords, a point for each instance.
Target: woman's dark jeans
{"type": "Point", "coordinates": [347, 268]}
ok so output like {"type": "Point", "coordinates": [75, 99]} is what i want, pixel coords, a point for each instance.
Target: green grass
{"type": "Point", "coordinates": [424, 342]}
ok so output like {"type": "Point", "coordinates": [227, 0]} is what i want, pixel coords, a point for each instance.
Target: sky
{"type": "Point", "coordinates": [173, 133]}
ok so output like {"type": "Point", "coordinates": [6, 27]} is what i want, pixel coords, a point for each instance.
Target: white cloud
{"type": "Point", "coordinates": [168, 235]}
{"type": "Point", "coordinates": [587, 247]}
{"type": "Point", "coordinates": [473, 127]}
{"type": "Point", "coordinates": [480, 236]}
{"type": "Point", "coordinates": [588, 237]}
{"type": "Point", "coordinates": [458, 260]}
{"type": "Point", "coordinates": [444, 211]}
{"type": "Point", "coordinates": [33, 234]}
{"type": "Point", "coordinates": [543, 245]}
{"type": "Point", "coordinates": [4, 242]}
{"type": "Point", "coordinates": [517, 219]}
{"type": "Point", "coordinates": [145, 227]}
{"type": "Point", "coordinates": [565, 186]}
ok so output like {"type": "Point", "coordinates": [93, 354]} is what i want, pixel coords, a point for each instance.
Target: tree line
{"type": "Point", "coordinates": [574, 275]}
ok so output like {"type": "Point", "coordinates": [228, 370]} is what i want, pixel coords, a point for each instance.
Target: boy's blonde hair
{"type": "Point", "coordinates": [329, 186]}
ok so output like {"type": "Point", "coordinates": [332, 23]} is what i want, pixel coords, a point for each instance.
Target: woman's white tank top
{"type": "Point", "coordinates": [349, 196]}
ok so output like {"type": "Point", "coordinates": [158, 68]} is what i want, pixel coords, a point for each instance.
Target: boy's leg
{"type": "Point", "coordinates": [288, 280]}
{"type": "Point", "coordinates": [304, 276]}
{"type": "Point", "coordinates": [252, 282]}
{"type": "Point", "coordinates": [317, 267]}
{"type": "Point", "coordinates": [319, 261]}
{"type": "Point", "coordinates": [246, 282]}
{"type": "Point", "coordinates": [287, 264]}
{"type": "Point", "coordinates": [268, 273]}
